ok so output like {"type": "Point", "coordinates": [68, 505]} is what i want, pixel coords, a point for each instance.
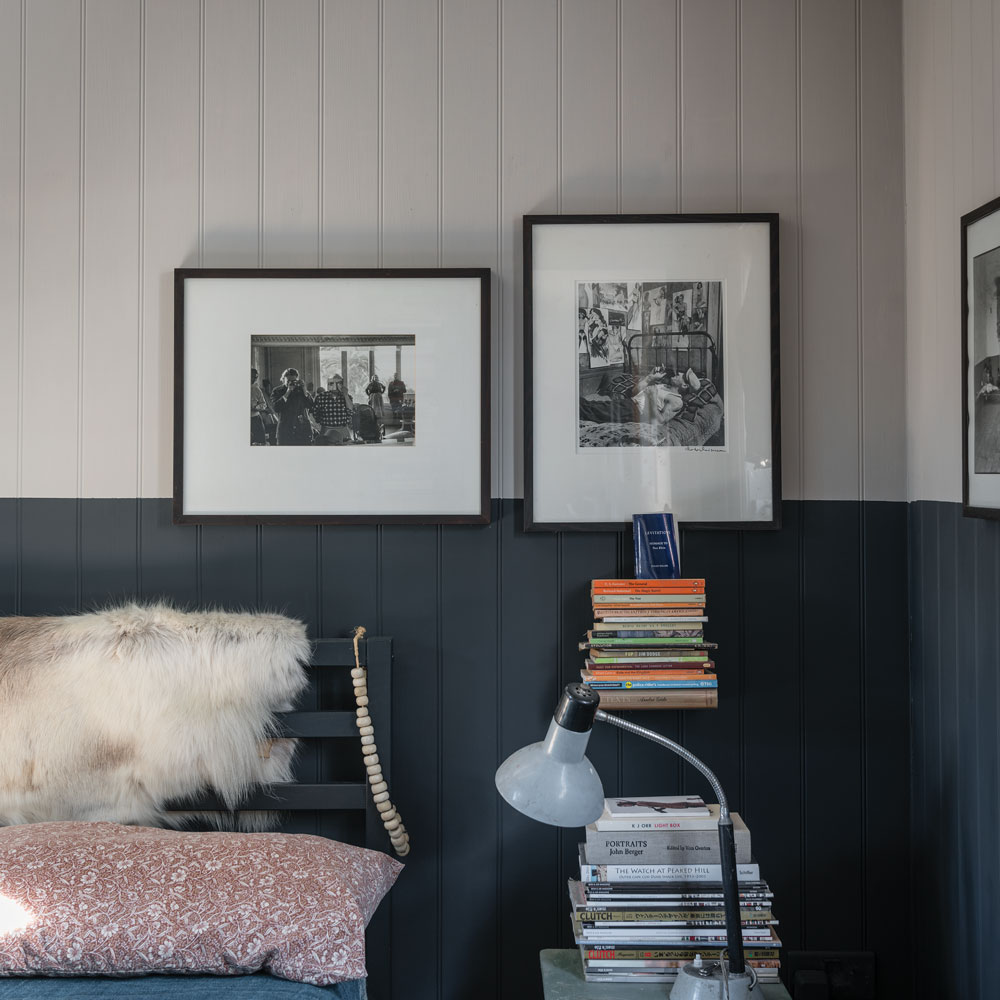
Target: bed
{"type": "Point", "coordinates": [689, 364]}
{"type": "Point", "coordinates": [338, 807]}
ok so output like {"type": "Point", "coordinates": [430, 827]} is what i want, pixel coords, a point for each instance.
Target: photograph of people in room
{"type": "Point", "coordinates": [332, 390]}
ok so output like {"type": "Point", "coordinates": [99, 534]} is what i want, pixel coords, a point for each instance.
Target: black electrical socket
{"type": "Point", "coordinates": [850, 974]}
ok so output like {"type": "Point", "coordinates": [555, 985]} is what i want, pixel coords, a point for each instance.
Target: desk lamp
{"type": "Point", "coordinates": [553, 782]}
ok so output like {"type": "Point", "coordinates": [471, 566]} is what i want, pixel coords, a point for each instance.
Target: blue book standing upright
{"type": "Point", "coordinates": [657, 555]}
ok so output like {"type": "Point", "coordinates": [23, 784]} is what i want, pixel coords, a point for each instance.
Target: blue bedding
{"type": "Point", "coordinates": [174, 988]}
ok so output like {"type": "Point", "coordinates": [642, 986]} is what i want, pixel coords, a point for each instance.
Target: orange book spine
{"type": "Point", "coordinates": [651, 584]}
{"type": "Point", "coordinates": [634, 611]}
{"type": "Point", "coordinates": [649, 606]}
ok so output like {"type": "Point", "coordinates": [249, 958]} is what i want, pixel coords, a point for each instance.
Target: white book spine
{"type": "Point", "coordinates": [664, 873]}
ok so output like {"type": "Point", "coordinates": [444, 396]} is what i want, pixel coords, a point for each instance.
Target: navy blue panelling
{"type": "Point", "coordinates": [833, 810]}
{"type": "Point", "coordinates": [228, 565]}
{"type": "Point", "coordinates": [955, 654]}
{"type": "Point", "coordinates": [885, 755]}
{"type": "Point", "coordinates": [289, 576]}
{"type": "Point", "coordinates": [411, 581]}
{"type": "Point", "coordinates": [168, 554]}
{"type": "Point", "coordinates": [9, 563]}
{"type": "Point", "coordinates": [772, 698]}
{"type": "Point", "coordinates": [582, 557]}
{"type": "Point", "coordinates": [109, 540]}
{"type": "Point", "coordinates": [986, 804]}
{"type": "Point", "coordinates": [715, 555]}
{"type": "Point", "coordinates": [468, 805]}
{"type": "Point", "coordinates": [528, 910]}
{"type": "Point", "coordinates": [810, 740]}
{"type": "Point", "coordinates": [49, 564]}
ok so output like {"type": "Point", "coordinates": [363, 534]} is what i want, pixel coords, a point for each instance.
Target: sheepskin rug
{"type": "Point", "coordinates": [109, 716]}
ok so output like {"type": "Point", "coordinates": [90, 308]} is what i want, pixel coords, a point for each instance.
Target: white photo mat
{"type": "Point", "coordinates": [571, 485]}
{"type": "Point", "coordinates": [439, 474]}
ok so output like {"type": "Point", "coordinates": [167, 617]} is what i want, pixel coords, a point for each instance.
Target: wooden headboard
{"type": "Point", "coordinates": [326, 807]}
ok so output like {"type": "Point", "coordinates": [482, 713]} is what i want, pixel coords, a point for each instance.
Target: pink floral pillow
{"type": "Point", "coordinates": [83, 899]}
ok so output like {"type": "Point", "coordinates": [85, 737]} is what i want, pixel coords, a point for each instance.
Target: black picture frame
{"type": "Point", "coordinates": [769, 336]}
{"type": "Point", "coordinates": [984, 397]}
{"type": "Point", "coordinates": [479, 512]}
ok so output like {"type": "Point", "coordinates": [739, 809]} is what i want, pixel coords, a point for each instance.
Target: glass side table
{"type": "Point", "coordinates": [562, 979]}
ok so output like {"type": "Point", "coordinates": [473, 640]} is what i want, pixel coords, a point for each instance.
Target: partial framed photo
{"type": "Point", "coordinates": [981, 361]}
{"type": "Point", "coordinates": [651, 370]}
{"type": "Point", "coordinates": [367, 400]}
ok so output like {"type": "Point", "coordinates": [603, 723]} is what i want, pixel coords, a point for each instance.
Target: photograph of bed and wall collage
{"type": "Point", "coordinates": [650, 363]}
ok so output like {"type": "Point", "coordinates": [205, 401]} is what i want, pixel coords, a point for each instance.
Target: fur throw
{"type": "Point", "coordinates": [109, 716]}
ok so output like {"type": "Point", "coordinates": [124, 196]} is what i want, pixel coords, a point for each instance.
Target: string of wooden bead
{"type": "Point", "coordinates": [379, 786]}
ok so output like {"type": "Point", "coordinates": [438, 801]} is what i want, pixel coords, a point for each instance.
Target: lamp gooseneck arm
{"type": "Point", "coordinates": [631, 727]}
{"type": "Point", "coordinates": [727, 840]}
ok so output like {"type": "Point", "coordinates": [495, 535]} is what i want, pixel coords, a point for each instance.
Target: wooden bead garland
{"type": "Point", "coordinates": [398, 836]}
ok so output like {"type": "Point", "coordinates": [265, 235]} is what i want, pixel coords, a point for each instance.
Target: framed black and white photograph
{"type": "Point", "coordinates": [980, 254]}
{"type": "Point", "coordinates": [357, 412]}
{"type": "Point", "coordinates": [651, 370]}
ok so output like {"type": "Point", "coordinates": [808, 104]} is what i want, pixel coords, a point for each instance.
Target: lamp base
{"type": "Point", "coordinates": [710, 981]}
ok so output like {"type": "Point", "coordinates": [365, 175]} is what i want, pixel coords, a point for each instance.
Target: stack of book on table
{"type": "Point", "coordinates": [647, 648]}
{"type": "Point", "coordinates": [649, 897]}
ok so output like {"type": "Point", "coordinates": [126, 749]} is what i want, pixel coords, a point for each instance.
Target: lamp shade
{"type": "Point", "coordinates": [552, 781]}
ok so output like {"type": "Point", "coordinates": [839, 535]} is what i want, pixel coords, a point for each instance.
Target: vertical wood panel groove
{"type": "Point", "coordinates": [560, 651]}
{"type": "Point", "coordinates": [559, 107]}
{"type": "Point", "coordinates": [440, 133]}
{"type": "Point", "coordinates": [803, 746]}
{"type": "Point", "coordinates": [381, 130]}
{"type": "Point", "coordinates": [859, 241]}
{"type": "Point", "coordinates": [618, 106]}
{"type": "Point", "coordinates": [140, 324]}
{"type": "Point", "coordinates": [80, 246]}
{"type": "Point", "coordinates": [439, 664]}
{"type": "Point", "coordinates": [863, 699]}
{"type": "Point", "coordinates": [800, 409]}
{"type": "Point", "coordinates": [741, 659]}
{"type": "Point", "coordinates": [439, 531]}
{"type": "Point", "coordinates": [201, 134]}
{"type": "Point", "coordinates": [738, 98]}
{"type": "Point", "coordinates": [262, 161]}
{"type": "Point", "coordinates": [320, 132]}
{"type": "Point", "coordinates": [22, 82]}
{"type": "Point", "coordinates": [259, 564]}
{"type": "Point", "coordinates": [320, 68]}
{"type": "Point", "coordinates": [496, 341]}
{"type": "Point", "coordinates": [199, 536]}
{"type": "Point", "coordinates": [498, 507]}
{"type": "Point", "coordinates": [260, 132]}
{"type": "Point", "coordinates": [78, 551]}
{"type": "Point", "coordinates": [381, 564]}
{"type": "Point", "coordinates": [679, 58]}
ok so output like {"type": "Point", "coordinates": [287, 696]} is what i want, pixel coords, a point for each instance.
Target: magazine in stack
{"type": "Point", "coordinates": [640, 918]}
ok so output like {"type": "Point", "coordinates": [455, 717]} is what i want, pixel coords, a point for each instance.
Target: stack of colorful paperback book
{"type": "Point", "coordinates": [647, 648]}
{"type": "Point", "coordinates": [640, 918]}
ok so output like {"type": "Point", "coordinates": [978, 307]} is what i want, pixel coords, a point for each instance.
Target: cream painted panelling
{"type": "Point", "coordinates": [952, 90]}
{"type": "Point", "coordinates": [142, 136]}
{"type": "Point", "coordinates": [11, 256]}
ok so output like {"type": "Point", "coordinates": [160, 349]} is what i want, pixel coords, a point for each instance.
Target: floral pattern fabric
{"type": "Point", "coordinates": [80, 899]}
